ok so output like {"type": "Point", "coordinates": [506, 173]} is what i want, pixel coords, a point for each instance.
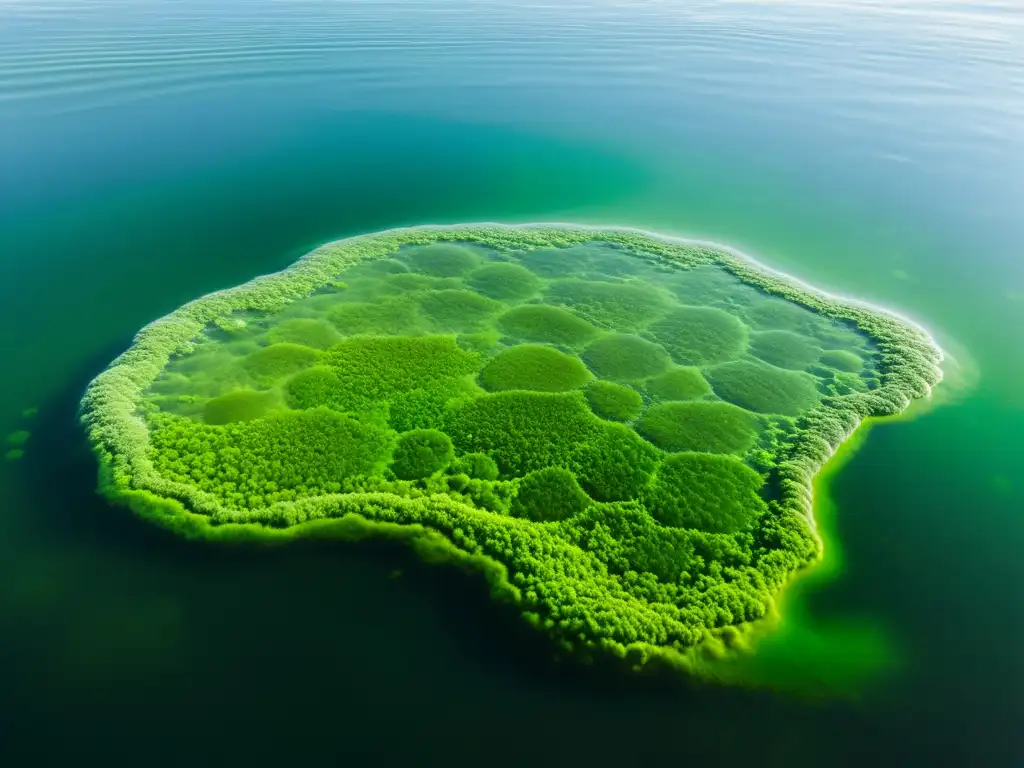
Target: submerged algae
{"type": "Point", "coordinates": [524, 413]}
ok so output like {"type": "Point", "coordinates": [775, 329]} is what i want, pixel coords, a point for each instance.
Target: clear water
{"type": "Point", "coordinates": [150, 152]}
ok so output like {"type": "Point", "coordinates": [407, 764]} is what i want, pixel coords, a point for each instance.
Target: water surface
{"type": "Point", "coordinates": [150, 152]}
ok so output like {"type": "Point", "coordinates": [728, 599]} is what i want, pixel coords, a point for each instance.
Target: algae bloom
{"type": "Point", "coordinates": [619, 430]}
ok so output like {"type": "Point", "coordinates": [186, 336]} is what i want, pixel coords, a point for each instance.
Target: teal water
{"type": "Point", "coordinates": [151, 152]}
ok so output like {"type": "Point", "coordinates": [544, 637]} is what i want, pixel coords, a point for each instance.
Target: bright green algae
{"type": "Point", "coordinates": [619, 430]}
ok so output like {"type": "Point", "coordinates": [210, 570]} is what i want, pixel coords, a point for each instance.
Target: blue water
{"type": "Point", "coordinates": [152, 151]}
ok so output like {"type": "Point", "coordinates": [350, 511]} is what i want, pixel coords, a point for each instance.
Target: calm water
{"type": "Point", "coordinates": [153, 151]}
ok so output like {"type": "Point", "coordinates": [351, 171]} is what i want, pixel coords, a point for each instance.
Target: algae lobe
{"type": "Point", "coordinates": [621, 430]}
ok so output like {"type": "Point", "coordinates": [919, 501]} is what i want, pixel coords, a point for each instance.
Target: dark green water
{"type": "Point", "coordinates": [151, 152]}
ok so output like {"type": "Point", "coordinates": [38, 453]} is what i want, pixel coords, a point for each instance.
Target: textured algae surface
{"type": "Point", "coordinates": [619, 430]}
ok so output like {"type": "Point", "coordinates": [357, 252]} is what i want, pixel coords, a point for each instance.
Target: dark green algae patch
{"type": "Point", "coordinates": [619, 430]}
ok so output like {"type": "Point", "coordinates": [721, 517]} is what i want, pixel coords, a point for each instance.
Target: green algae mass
{"type": "Point", "coordinates": [764, 388]}
{"type": "Point", "coordinates": [618, 430]}
{"type": "Point", "coordinates": [19, 438]}
{"type": "Point", "coordinates": [309, 332]}
{"type": "Point", "coordinates": [453, 311]}
{"type": "Point", "coordinates": [624, 306]}
{"type": "Point", "coordinates": [842, 360]}
{"type": "Point", "coordinates": [240, 405]}
{"type": "Point", "coordinates": [700, 335]}
{"type": "Point", "coordinates": [511, 282]}
{"type": "Point", "coordinates": [529, 366]}
{"type": "Point", "coordinates": [680, 383]}
{"type": "Point", "coordinates": [267, 365]}
{"type": "Point", "coordinates": [711, 427]}
{"type": "Point", "coordinates": [442, 259]}
{"type": "Point", "coordinates": [549, 495]}
{"type": "Point", "coordinates": [716, 494]}
{"type": "Point", "coordinates": [622, 357]}
{"type": "Point", "coordinates": [421, 453]}
{"type": "Point", "coordinates": [551, 325]}
{"type": "Point", "coordinates": [390, 317]}
{"type": "Point", "coordinates": [614, 401]}
{"type": "Point", "coordinates": [784, 349]}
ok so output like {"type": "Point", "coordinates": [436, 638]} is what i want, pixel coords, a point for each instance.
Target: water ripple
{"type": "Point", "coordinates": [856, 59]}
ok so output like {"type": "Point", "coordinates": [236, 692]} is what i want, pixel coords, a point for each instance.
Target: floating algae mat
{"type": "Point", "coordinates": [620, 431]}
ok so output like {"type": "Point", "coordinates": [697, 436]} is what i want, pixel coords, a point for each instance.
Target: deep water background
{"type": "Point", "coordinates": [153, 151]}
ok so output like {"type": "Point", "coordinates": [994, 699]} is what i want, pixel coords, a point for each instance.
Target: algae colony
{"type": "Point", "coordinates": [619, 430]}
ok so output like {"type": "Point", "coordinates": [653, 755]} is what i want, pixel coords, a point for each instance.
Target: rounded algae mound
{"type": "Point", "coordinates": [442, 259]}
{"type": "Point", "coordinates": [764, 388]}
{"type": "Point", "coordinates": [376, 368]}
{"type": "Point", "coordinates": [710, 493]}
{"type": "Point", "coordinates": [842, 360]}
{"type": "Point", "coordinates": [395, 317]}
{"type": "Point", "coordinates": [622, 357]}
{"type": "Point", "coordinates": [711, 427]}
{"type": "Point", "coordinates": [550, 494]}
{"type": "Point", "coordinates": [616, 306]}
{"type": "Point", "coordinates": [555, 262]}
{"type": "Point", "coordinates": [700, 335]}
{"type": "Point", "coordinates": [318, 334]}
{"type": "Point", "coordinates": [529, 366]}
{"type": "Point", "coordinates": [615, 463]}
{"type": "Point", "coordinates": [478, 465]}
{"type": "Point", "coordinates": [614, 401]}
{"type": "Point", "coordinates": [523, 431]}
{"type": "Point", "coordinates": [273, 363]}
{"type": "Point", "coordinates": [702, 285]}
{"type": "Point", "coordinates": [551, 325]}
{"type": "Point", "coordinates": [311, 388]}
{"type": "Point", "coordinates": [240, 405]}
{"type": "Point", "coordinates": [784, 349]}
{"type": "Point", "coordinates": [682, 383]}
{"type": "Point", "coordinates": [421, 453]}
{"type": "Point", "coordinates": [505, 281]}
{"type": "Point", "coordinates": [620, 430]}
{"type": "Point", "coordinates": [453, 311]}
